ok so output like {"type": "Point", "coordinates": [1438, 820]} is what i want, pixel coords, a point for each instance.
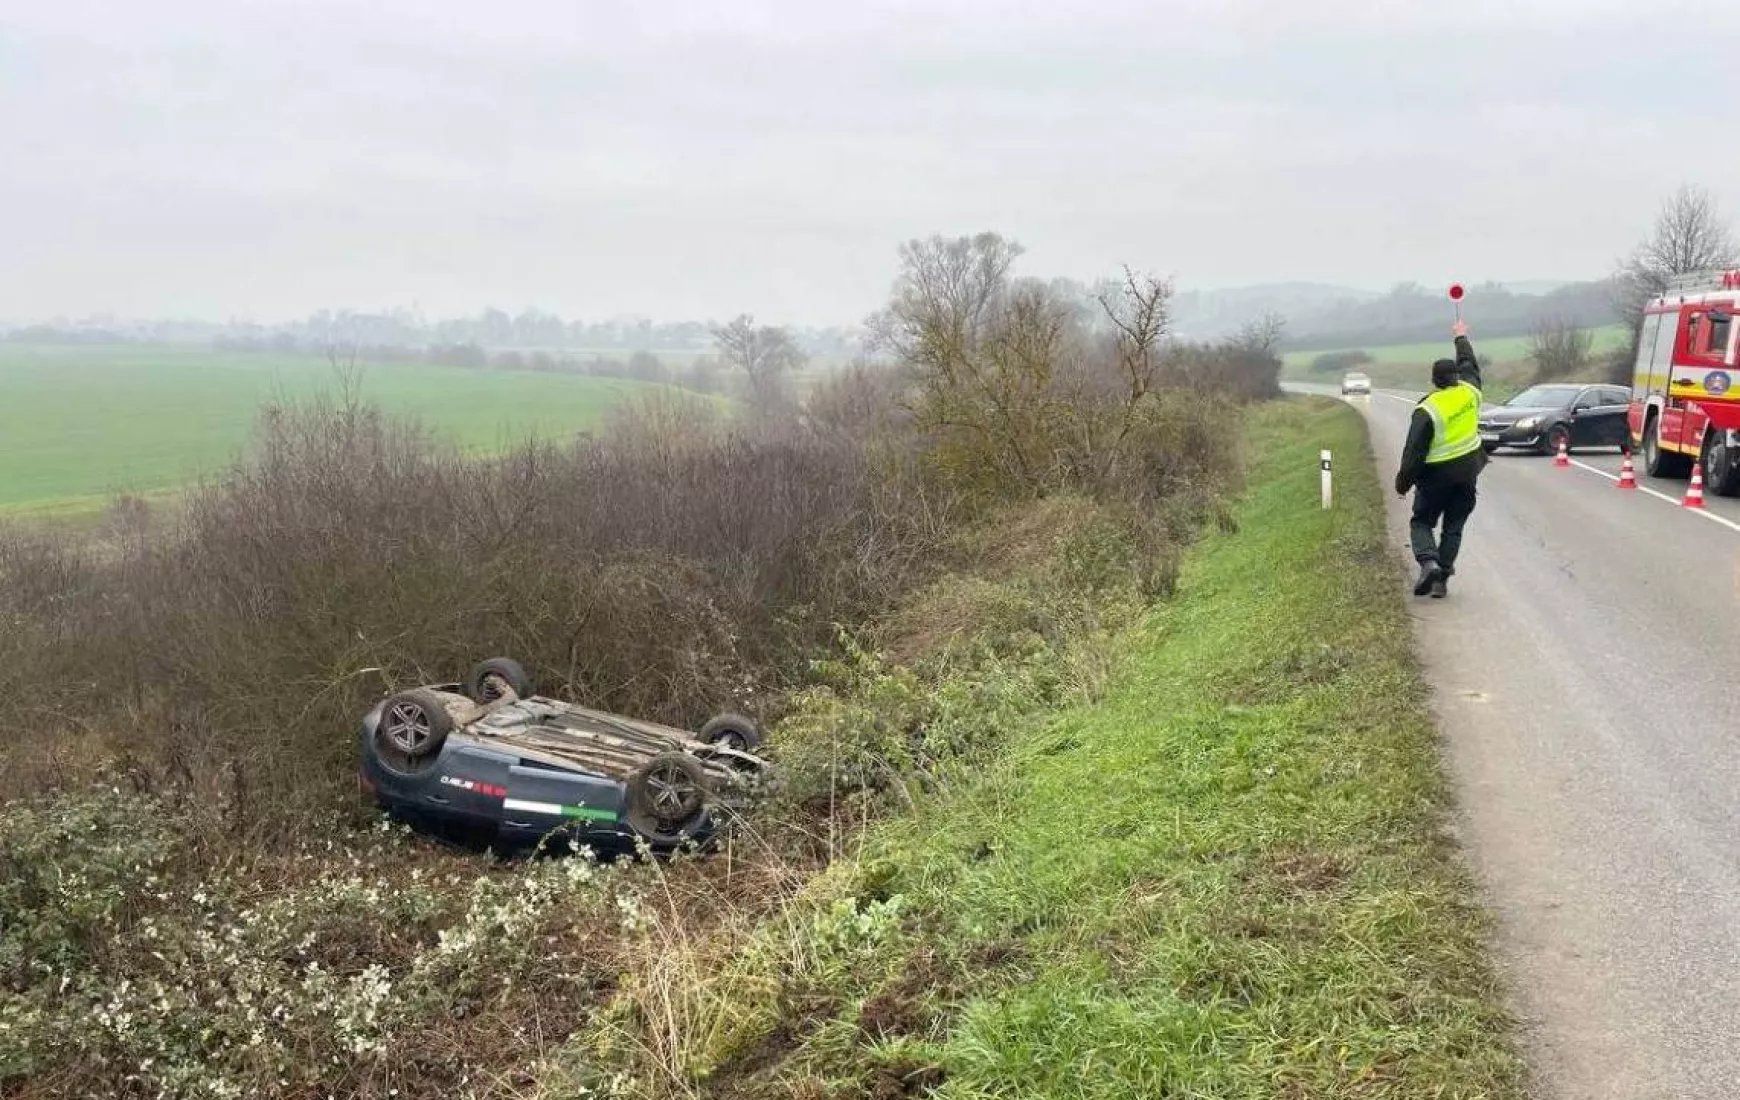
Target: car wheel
{"type": "Point", "coordinates": [413, 727]}
{"type": "Point", "coordinates": [486, 680]}
{"type": "Point", "coordinates": [1657, 462]}
{"type": "Point", "coordinates": [733, 731]}
{"type": "Point", "coordinates": [667, 798]}
{"type": "Point", "coordinates": [1555, 435]}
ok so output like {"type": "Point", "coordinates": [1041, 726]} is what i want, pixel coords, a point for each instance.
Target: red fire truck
{"type": "Point", "coordinates": [1685, 406]}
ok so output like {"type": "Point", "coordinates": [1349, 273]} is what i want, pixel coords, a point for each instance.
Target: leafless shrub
{"type": "Point", "coordinates": [1559, 349]}
{"type": "Point", "coordinates": [1245, 367]}
{"type": "Point", "coordinates": [672, 567]}
{"type": "Point", "coordinates": [1024, 392]}
{"type": "Point", "coordinates": [859, 405]}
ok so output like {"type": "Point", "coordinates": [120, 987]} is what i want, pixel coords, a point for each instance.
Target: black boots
{"type": "Point", "coordinates": [1431, 579]}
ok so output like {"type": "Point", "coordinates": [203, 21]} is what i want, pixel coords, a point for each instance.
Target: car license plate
{"type": "Point", "coordinates": [1489, 437]}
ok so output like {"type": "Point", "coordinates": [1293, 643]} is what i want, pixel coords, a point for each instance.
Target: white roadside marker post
{"type": "Point", "coordinates": [1328, 492]}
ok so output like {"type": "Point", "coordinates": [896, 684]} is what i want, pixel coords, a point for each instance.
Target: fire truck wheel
{"type": "Point", "coordinates": [1721, 471]}
{"type": "Point", "coordinates": [1657, 462]}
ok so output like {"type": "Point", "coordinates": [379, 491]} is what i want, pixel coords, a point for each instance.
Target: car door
{"type": "Point", "coordinates": [1615, 411]}
{"type": "Point", "coordinates": [1586, 424]}
{"type": "Point", "coordinates": [1599, 416]}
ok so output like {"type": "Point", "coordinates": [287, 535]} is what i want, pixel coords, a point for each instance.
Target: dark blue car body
{"type": "Point", "coordinates": [537, 769]}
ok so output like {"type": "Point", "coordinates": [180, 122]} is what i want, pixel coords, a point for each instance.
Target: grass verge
{"type": "Point", "coordinates": [1228, 877]}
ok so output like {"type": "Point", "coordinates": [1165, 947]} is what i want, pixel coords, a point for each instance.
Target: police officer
{"type": "Point", "coordinates": [1441, 461]}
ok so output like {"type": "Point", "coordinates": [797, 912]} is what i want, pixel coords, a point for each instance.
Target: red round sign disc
{"type": "Point", "coordinates": [1455, 292]}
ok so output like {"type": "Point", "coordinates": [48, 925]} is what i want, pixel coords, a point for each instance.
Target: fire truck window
{"type": "Point", "coordinates": [1664, 348]}
{"type": "Point", "coordinates": [1716, 331]}
{"type": "Point", "coordinates": [1646, 350]}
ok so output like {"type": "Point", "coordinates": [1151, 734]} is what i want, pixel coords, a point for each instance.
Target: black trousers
{"type": "Point", "coordinates": [1452, 504]}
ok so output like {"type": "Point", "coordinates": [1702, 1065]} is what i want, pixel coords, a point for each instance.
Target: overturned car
{"type": "Point", "coordinates": [489, 760]}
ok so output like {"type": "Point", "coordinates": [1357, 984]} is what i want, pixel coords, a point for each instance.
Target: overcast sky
{"type": "Point", "coordinates": [689, 159]}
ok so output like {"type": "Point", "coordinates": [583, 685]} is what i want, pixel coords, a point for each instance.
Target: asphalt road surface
{"type": "Point", "coordinates": [1585, 667]}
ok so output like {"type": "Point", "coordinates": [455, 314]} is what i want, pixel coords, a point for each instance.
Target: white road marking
{"type": "Point", "coordinates": [1711, 516]}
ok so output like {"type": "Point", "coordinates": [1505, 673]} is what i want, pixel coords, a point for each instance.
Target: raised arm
{"type": "Point", "coordinates": [1467, 366]}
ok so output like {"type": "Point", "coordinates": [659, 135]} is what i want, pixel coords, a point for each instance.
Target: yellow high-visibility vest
{"type": "Point", "coordinates": [1455, 413]}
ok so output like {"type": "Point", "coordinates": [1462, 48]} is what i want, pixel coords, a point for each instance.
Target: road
{"type": "Point", "coordinates": [1585, 670]}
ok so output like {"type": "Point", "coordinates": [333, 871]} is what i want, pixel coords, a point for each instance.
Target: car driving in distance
{"type": "Point", "coordinates": [1579, 414]}
{"type": "Point", "coordinates": [1354, 382]}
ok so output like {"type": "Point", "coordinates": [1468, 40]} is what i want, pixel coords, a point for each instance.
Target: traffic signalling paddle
{"type": "Point", "coordinates": [1695, 491]}
{"type": "Point", "coordinates": [1563, 458]}
{"type": "Point", "coordinates": [1627, 475]}
{"type": "Point", "coordinates": [1456, 298]}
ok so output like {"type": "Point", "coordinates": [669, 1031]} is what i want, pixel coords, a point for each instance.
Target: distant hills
{"type": "Point", "coordinates": [1321, 316]}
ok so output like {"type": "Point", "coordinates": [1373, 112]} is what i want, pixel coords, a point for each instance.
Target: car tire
{"type": "Point", "coordinates": [1657, 462]}
{"type": "Point", "coordinates": [1550, 441]}
{"type": "Point", "coordinates": [732, 731]}
{"type": "Point", "coordinates": [668, 798]}
{"type": "Point", "coordinates": [413, 727]}
{"type": "Point", "coordinates": [509, 671]}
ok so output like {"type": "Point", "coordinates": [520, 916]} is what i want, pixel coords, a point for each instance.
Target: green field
{"type": "Point", "coordinates": [79, 424]}
{"type": "Point", "coordinates": [1501, 350]}
{"type": "Point", "coordinates": [1505, 359]}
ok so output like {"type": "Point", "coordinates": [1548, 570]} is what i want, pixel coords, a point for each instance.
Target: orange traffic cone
{"type": "Point", "coordinates": [1563, 458]}
{"type": "Point", "coordinates": [1627, 475]}
{"type": "Point", "coordinates": [1695, 491]}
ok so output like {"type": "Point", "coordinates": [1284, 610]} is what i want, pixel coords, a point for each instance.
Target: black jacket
{"type": "Point", "coordinates": [1457, 471]}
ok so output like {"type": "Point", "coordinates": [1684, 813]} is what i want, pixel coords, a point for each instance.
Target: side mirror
{"type": "Point", "coordinates": [1582, 407]}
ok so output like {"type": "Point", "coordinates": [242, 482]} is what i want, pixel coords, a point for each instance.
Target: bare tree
{"type": "Point", "coordinates": [1025, 390]}
{"type": "Point", "coordinates": [983, 350]}
{"type": "Point", "coordinates": [1140, 310]}
{"type": "Point", "coordinates": [1559, 348]}
{"type": "Point", "coordinates": [765, 354]}
{"type": "Point", "coordinates": [343, 344]}
{"type": "Point", "coordinates": [945, 299]}
{"type": "Point", "coordinates": [1690, 235]}
{"type": "Point", "coordinates": [1262, 335]}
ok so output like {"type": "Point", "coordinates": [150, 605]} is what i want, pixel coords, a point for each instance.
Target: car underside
{"type": "Point", "coordinates": [490, 761]}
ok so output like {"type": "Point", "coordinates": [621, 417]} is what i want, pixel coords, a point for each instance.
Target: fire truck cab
{"type": "Point", "coordinates": [1685, 407]}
